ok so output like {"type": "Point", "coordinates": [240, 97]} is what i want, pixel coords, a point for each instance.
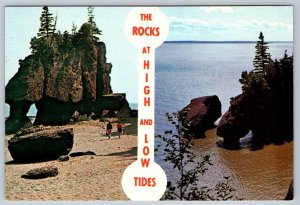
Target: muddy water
{"type": "Point", "coordinates": [257, 175]}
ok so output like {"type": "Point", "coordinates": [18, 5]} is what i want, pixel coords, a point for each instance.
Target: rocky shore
{"type": "Point", "coordinates": [86, 177]}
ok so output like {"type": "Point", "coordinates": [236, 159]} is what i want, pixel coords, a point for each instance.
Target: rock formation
{"type": "Point", "coordinates": [269, 119]}
{"type": "Point", "coordinates": [59, 82]}
{"type": "Point", "coordinates": [115, 102]}
{"type": "Point", "coordinates": [40, 144]}
{"type": "Point", "coordinates": [40, 173]}
{"type": "Point", "coordinates": [231, 127]}
{"type": "Point", "coordinates": [78, 154]}
{"type": "Point", "coordinates": [63, 158]}
{"type": "Point", "coordinates": [266, 105]}
{"type": "Point", "coordinates": [290, 193]}
{"type": "Point", "coordinates": [200, 114]}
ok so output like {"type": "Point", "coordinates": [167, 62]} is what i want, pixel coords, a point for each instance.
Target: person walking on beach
{"type": "Point", "coordinates": [119, 127]}
{"type": "Point", "coordinates": [108, 129]}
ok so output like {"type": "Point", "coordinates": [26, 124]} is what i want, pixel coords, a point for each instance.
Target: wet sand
{"type": "Point", "coordinates": [81, 178]}
{"type": "Point", "coordinates": [257, 175]}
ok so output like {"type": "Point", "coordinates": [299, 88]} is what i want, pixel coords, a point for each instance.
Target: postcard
{"type": "Point", "coordinates": [149, 103]}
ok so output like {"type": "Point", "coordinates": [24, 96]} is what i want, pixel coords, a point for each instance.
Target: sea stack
{"type": "Point", "coordinates": [73, 77]}
{"type": "Point", "coordinates": [200, 115]}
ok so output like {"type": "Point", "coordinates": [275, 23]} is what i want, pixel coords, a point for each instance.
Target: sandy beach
{"type": "Point", "coordinates": [85, 177]}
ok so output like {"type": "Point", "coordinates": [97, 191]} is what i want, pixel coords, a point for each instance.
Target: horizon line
{"type": "Point", "coordinates": [196, 41]}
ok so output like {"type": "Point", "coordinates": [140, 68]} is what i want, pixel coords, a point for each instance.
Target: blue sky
{"type": "Point", "coordinates": [186, 23]}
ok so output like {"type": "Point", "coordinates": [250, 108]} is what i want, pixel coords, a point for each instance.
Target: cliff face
{"type": "Point", "coordinates": [58, 84]}
{"type": "Point", "coordinates": [265, 107]}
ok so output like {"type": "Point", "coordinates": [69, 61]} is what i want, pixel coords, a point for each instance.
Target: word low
{"type": "Point", "coordinates": [145, 161]}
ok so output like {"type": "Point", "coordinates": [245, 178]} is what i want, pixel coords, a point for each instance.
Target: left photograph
{"type": "Point", "coordinates": [70, 103]}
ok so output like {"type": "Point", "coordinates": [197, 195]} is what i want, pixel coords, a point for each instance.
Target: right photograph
{"type": "Point", "coordinates": [224, 103]}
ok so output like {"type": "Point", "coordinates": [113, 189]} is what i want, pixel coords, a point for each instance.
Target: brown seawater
{"type": "Point", "coordinates": [263, 174]}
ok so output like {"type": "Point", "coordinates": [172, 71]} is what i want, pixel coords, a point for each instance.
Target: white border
{"type": "Point", "coordinates": [296, 5]}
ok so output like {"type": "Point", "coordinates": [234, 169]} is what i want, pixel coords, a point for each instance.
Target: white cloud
{"type": "Point", "coordinates": [267, 25]}
{"type": "Point", "coordinates": [217, 9]}
{"type": "Point", "coordinates": [193, 24]}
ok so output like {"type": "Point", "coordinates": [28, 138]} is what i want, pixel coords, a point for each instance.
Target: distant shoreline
{"type": "Point", "coordinates": [226, 42]}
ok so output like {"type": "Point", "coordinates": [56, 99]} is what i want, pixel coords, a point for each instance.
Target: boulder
{"type": "Point", "coordinates": [63, 158]}
{"type": "Point", "coordinates": [290, 193]}
{"type": "Point", "coordinates": [40, 144]}
{"type": "Point", "coordinates": [233, 124]}
{"type": "Point", "coordinates": [113, 105]}
{"type": "Point", "coordinates": [231, 129]}
{"type": "Point", "coordinates": [78, 154]}
{"type": "Point", "coordinates": [200, 114]}
{"type": "Point", "coordinates": [40, 173]}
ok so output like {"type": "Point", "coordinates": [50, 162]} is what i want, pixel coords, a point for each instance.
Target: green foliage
{"type": "Point", "coordinates": [224, 191]}
{"type": "Point", "coordinates": [177, 152]}
{"type": "Point", "coordinates": [47, 26]}
{"type": "Point", "coordinates": [84, 37]}
{"type": "Point", "coordinates": [49, 43]}
{"type": "Point", "coordinates": [267, 74]}
{"type": "Point", "coordinates": [95, 31]}
{"type": "Point", "coordinates": [253, 83]}
{"type": "Point", "coordinates": [262, 58]}
{"type": "Point", "coordinates": [38, 45]}
{"type": "Point", "coordinates": [88, 33]}
{"type": "Point", "coordinates": [74, 28]}
{"type": "Point", "coordinates": [65, 45]}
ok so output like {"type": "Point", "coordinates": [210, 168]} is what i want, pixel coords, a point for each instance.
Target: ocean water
{"type": "Point", "coordinates": [189, 70]}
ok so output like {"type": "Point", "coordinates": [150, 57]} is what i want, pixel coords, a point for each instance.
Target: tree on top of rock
{"type": "Point", "coordinates": [256, 80]}
{"type": "Point", "coordinates": [47, 25]}
{"type": "Point", "coordinates": [95, 30]}
{"type": "Point", "coordinates": [74, 28]}
{"type": "Point", "coordinates": [262, 58]}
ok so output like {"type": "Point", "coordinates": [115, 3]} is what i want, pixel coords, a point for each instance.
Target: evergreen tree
{"type": "Point", "coordinates": [74, 28]}
{"type": "Point", "coordinates": [91, 14]}
{"type": "Point", "coordinates": [95, 31]}
{"type": "Point", "coordinates": [47, 26]}
{"type": "Point", "coordinates": [65, 46]}
{"type": "Point", "coordinates": [84, 37]}
{"type": "Point", "coordinates": [262, 58]}
{"type": "Point", "coordinates": [38, 45]}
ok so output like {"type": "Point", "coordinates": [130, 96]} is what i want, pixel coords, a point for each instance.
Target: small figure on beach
{"type": "Point", "coordinates": [108, 129]}
{"type": "Point", "coordinates": [119, 127]}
